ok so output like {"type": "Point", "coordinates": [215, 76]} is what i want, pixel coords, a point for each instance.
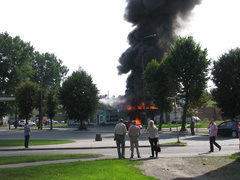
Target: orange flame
{"type": "Point", "coordinates": [142, 106]}
{"type": "Point", "coordinates": [138, 121]}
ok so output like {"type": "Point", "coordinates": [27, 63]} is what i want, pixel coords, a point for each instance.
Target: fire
{"type": "Point", "coordinates": [142, 106]}
{"type": "Point", "coordinates": [138, 121]}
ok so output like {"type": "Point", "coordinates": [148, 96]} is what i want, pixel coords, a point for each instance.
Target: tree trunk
{"type": "Point", "coordinates": [51, 124]}
{"type": "Point", "coordinates": [167, 117]}
{"type": "Point", "coordinates": [82, 126]}
{"type": "Point", "coordinates": [160, 121]}
{"type": "Point", "coordinates": [185, 108]}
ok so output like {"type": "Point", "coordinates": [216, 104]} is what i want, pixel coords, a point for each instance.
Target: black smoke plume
{"type": "Point", "coordinates": [149, 17]}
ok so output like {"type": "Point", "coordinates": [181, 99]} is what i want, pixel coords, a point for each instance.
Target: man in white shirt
{"type": "Point", "coordinates": [119, 133]}
{"type": "Point", "coordinates": [134, 133]}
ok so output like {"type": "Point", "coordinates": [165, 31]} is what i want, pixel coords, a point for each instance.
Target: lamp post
{"type": "Point", "coordinates": [144, 96]}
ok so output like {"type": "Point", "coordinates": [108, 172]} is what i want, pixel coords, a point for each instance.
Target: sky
{"type": "Point", "coordinates": [92, 34]}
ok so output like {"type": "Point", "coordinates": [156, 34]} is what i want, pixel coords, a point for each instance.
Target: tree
{"type": "Point", "coordinates": [78, 95]}
{"type": "Point", "coordinates": [15, 65]}
{"type": "Point", "coordinates": [48, 70]}
{"type": "Point", "coordinates": [48, 73]}
{"type": "Point", "coordinates": [226, 77]}
{"type": "Point", "coordinates": [51, 104]}
{"type": "Point", "coordinates": [187, 68]}
{"type": "Point", "coordinates": [26, 97]}
{"type": "Point", "coordinates": [155, 80]}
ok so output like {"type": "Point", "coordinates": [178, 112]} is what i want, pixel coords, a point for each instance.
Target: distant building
{"type": "Point", "coordinates": [106, 115]}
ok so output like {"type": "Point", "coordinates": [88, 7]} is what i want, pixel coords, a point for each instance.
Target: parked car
{"type": "Point", "coordinates": [49, 121]}
{"type": "Point", "coordinates": [31, 123]}
{"type": "Point", "coordinates": [129, 123]}
{"type": "Point", "coordinates": [54, 122]}
{"type": "Point", "coordinates": [21, 123]}
{"type": "Point", "coordinates": [188, 119]}
{"type": "Point", "coordinates": [229, 128]}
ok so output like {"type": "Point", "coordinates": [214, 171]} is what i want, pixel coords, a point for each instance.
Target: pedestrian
{"type": "Point", "coordinates": [213, 135]}
{"type": "Point", "coordinates": [134, 133]}
{"type": "Point", "coordinates": [119, 134]}
{"type": "Point", "coordinates": [152, 134]}
{"type": "Point", "coordinates": [192, 124]}
{"type": "Point", "coordinates": [27, 131]}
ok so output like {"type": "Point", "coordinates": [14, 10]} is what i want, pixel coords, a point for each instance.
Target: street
{"type": "Point", "coordinates": [197, 145]}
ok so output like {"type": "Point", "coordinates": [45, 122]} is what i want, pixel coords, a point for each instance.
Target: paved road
{"type": "Point", "coordinates": [85, 143]}
{"type": "Point", "coordinates": [198, 145]}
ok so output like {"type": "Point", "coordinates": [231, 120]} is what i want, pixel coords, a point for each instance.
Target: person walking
{"type": "Point", "coordinates": [134, 133]}
{"type": "Point", "coordinates": [152, 134]}
{"type": "Point", "coordinates": [27, 131]}
{"type": "Point", "coordinates": [213, 135]}
{"type": "Point", "coordinates": [192, 124]}
{"type": "Point", "coordinates": [119, 134]}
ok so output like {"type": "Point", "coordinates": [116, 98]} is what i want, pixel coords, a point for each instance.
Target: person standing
{"type": "Point", "coordinates": [192, 124]}
{"type": "Point", "coordinates": [134, 133]}
{"type": "Point", "coordinates": [119, 134]}
{"type": "Point", "coordinates": [213, 135]}
{"type": "Point", "coordinates": [27, 131]}
{"type": "Point", "coordinates": [152, 133]}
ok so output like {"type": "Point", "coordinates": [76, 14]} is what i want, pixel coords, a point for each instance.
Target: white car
{"type": "Point", "coordinates": [54, 122]}
{"type": "Point", "coordinates": [21, 123]}
{"type": "Point", "coordinates": [31, 123]}
{"type": "Point", "coordinates": [188, 119]}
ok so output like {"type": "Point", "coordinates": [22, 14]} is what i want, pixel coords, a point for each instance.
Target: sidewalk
{"type": "Point", "coordinates": [106, 133]}
{"type": "Point", "coordinates": [88, 138]}
{"type": "Point", "coordinates": [197, 142]}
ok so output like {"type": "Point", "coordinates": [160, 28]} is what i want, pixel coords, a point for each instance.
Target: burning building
{"type": "Point", "coordinates": [155, 22]}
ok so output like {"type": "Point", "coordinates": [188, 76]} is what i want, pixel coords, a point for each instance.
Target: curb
{"type": "Point", "coordinates": [68, 148]}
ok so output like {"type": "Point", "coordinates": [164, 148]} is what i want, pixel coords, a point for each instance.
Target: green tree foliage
{"type": "Point", "coordinates": [3, 109]}
{"type": "Point", "coordinates": [15, 62]}
{"type": "Point", "coordinates": [51, 104]}
{"type": "Point", "coordinates": [48, 70]}
{"type": "Point", "coordinates": [79, 96]}
{"type": "Point", "coordinates": [155, 81]}
{"type": "Point", "coordinates": [187, 68]}
{"type": "Point", "coordinates": [26, 97]}
{"type": "Point", "coordinates": [15, 66]}
{"type": "Point", "coordinates": [226, 77]}
{"type": "Point", "coordinates": [48, 73]}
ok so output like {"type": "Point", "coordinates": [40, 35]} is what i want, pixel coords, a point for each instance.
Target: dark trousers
{"type": "Point", "coordinates": [120, 141]}
{"type": "Point", "coordinates": [192, 131]}
{"type": "Point", "coordinates": [154, 142]}
{"type": "Point", "coordinates": [26, 141]}
{"type": "Point", "coordinates": [213, 142]}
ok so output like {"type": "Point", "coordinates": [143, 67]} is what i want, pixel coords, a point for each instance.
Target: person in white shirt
{"type": "Point", "coordinates": [119, 134]}
{"type": "Point", "coordinates": [134, 133]}
{"type": "Point", "coordinates": [152, 134]}
{"type": "Point", "coordinates": [213, 131]}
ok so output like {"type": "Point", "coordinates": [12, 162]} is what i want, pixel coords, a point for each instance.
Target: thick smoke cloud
{"type": "Point", "coordinates": [149, 17]}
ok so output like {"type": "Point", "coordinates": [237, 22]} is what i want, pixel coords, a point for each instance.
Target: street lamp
{"type": "Point", "coordinates": [144, 96]}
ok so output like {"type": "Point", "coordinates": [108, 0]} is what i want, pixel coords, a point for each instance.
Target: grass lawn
{"type": "Point", "coordinates": [176, 144]}
{"type": "Point", "coordinates": [84, 170]}
{"type": "Point", "coordinates": [35, 158]}
{"type": "Point", "coordinates": [32, 142]}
